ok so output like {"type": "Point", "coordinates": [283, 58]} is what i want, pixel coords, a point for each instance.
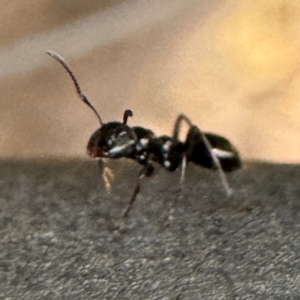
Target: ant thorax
{"type": "Point", "coordinates": [167, 151]}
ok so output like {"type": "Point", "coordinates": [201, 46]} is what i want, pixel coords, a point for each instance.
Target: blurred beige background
{"type": "Point", "coordinates": [231, 66]}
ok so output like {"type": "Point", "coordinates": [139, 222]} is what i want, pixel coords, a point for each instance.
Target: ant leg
{"type": "Point", "coordinates": [182, 169]}
{"type": "Point", "coordinates": [106, 173]}
{"type": "Point", "coordinates": [217, 163]}
{"type": "Point", "coordinates": [176, 130]}
{"type": "Point", "coordinates": [196, 134]}
{"type": "Point", "coordinates": [177, 125]}
{"type": "Point", "coordinates": [145, 172]}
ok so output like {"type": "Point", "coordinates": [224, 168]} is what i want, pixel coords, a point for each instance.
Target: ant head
{"type": "Point", "coordinates": [112, 140]}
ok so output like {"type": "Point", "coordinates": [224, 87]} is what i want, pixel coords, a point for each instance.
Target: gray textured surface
{"type": "Point", "coordinates": [57, 238]}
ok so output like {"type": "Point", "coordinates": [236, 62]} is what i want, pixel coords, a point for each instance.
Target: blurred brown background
{"type": "Point", "coordinates": [231, 66]}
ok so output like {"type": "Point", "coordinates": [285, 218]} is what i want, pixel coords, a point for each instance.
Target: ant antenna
{"type": "Point", "coordinates": [78, 89]}
{"type": "Point", "coordinates": [127, 113]}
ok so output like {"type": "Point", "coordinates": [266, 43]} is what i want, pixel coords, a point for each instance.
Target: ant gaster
{"type": "Point", "coordinates": [116, 139]}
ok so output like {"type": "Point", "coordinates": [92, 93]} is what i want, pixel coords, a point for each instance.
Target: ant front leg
{"type": "Point", "coordinates": [145, 172]}
{"type": "Point", "coordinates": [106, 173]}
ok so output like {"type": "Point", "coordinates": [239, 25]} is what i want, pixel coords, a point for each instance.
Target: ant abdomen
{"type": "Point", "coordinates": [199, 154]}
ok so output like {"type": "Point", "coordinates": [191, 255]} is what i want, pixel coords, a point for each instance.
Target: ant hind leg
{"type": "Point", "coordinates": [177, 125]}
{"type": "Point", "coordinates": [196, 134]}
{"type": "Point", "coordinates": [201, 152]}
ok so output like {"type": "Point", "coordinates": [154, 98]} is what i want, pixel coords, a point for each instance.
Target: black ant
{"type": "Point", "coordinates": [116, 139]}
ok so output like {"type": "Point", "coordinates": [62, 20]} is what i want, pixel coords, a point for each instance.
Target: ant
{"type": "Point", "coordinates": [114, 140]}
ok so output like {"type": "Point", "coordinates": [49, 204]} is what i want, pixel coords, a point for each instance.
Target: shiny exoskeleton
{"type": "Point", "coordinates": [115, 140]}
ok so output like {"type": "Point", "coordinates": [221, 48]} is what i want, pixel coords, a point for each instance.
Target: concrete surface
{"type": "Point", "coordinates": [58, 238]}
